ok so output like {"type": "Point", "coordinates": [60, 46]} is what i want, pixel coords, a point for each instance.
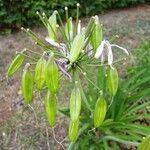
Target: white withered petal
{"type": "Point", "coordinates": [125, 50]}
{"type": "Point", "coordinates": [100, 50]}
{"type": "Point", "coordinates": [110, 54]}
{"type": "Point", "coordinates": [105, 49]}
{"type": "Point", "coordinates": [61, 47]}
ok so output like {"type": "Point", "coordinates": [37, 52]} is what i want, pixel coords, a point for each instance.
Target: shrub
{"type": "Point", "coordinates": [17, 13]}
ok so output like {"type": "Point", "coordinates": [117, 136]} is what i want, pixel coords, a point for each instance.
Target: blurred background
{"type": "Point", "coordinates": [17, 13]}
{"type": "Point", "coordinates": [130, 19]}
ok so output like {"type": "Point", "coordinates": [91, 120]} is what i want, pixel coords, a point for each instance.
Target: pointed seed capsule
{"type": "Point", "coordinates": [89, 27]}
{"type": "Point", "coordinates": [52, 29]}
{"type": "Point", "coordinates": [15, 64]}
{"type": "Point", "coordinates": [51, 108]}
{"type": "Point", "coordinates": [112, 81]}
{"type": "Point", "coordinates": [51, 75]}
{"type": "Point", "coordinates": [69, 29]}
{"type": "Point", "coordinates": [100, 112]}
{"type": "Point", "coordinates": [76, 47]}
{"type": "Point", "coordinates": [75, 103]}
{"type": "Point", "coordinates": [27, 84]}
{"type": "Point", "coordinates": [73, 130]}
{"type": "Point", "coordinates": [97, 35]}
{"type": "Point", "coordinates": [40, 73]}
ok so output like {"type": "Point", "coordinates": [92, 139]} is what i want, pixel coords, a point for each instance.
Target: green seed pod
{"type": "Point", "coordinates": [76, 47]}
{"type": "Point", "coordinates": [51, 75]}
{"type": "Point", "coordinates": [73, 130]}
{"type": "Point", "coordinates": [52, 29]}
{"type": "Point", "coordinates": [97, 35]}
{"type": "Point", "coordinates": [75, 103]}
{"type": "Point", "coordinates": [145, 145]}
{"type": "Point", "coordinates": [40, 73]}
{"type": "Point", "coordinates": [69, 29]}
{"type": "Point", "coordinates": [89, 27]}
{"type": "Point", "coordinates": [27, 84]}
{"type": "Point", "coordinates": [50, 108]}
{"type": "Point", "coordinates": [15, 65]}
{"type": "Point", "coordinates": [100, 112]}
{"type": "Point", "coordinates": [112, 81]}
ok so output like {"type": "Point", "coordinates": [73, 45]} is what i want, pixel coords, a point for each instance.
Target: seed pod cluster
{"type": "Point", "coordinates": [71, 55]}
{"type": "Point", "coordinates": [100, 111]}
{"type": "Point", "coordinates": [112, 81]}
{"type": "Point", "coordinates": [27, 84]}
{"type": "Point", "coordinates": [40, 73]}
{"type": "Point", "coordinates": [15, 65]}
{"type": "Point", "coordinates": [51, 75]}
{"type": "Point", "coordinates": [50, 107]}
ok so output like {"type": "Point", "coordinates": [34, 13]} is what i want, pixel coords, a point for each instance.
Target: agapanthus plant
{"type": "Point", "coordinates": [68, 49]}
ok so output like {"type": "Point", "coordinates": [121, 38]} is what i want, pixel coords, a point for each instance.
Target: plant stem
{"type": "Point", "coordinates": [56, 139]}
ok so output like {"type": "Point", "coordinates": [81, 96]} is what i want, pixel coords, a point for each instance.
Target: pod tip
{"type": "Point", "coordinates": [66, 8]}
{"type": "Point", "coordinates": [84, 73]}
{"type": "Point", "coordinates": [78, 5]}
{"type": "Point", "coordinates": [43, 14]}
{"type": "Point", "coordinates": [28, 29]}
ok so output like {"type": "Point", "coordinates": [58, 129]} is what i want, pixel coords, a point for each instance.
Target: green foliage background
{"type": "Point", "coordinates": [16, 13]}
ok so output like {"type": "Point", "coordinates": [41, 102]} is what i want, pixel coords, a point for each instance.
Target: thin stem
{"type": "Point", "coordinates": [114, 38]}
{"type": "Point", "coordinates": [60, 20]}
{"type": "Point", "coordinates": [85, 54]}
{"type": "Point", "coordinates": [47, 136]}
{"type": "Point", "coordinates": [28, 56]}
{"type": "Point", "coordinates": [42, 19]}
{"type": "Point", "coordinates": [88, 78]}
{"type": "Point", "coordinates": [77, 17]}
{"type": "Point", "coordinates": [51, 27]}
{"type": "Point", "coordinates": [35, 38]}
{"type": "Point", "coordinates": [34, 112]}
{"type": "Point", "coordinates": [92, 130]}
{"type": "Point", "coordinates": [112, 99]}
{"type": "Point", "coordinates": [66, 10]}
{"type": "Point", "coordinates": [68, 26]}
{"type": "Point", "coordinates": [96, 65]}
{"type": "Point", "coordinates": [62, 30]}
{"type": "Point", "coordinates": [88, 37]}
{"type": "Point", "coordinates": [33, 51]}
{"type": "Point", "coordinates": [63, 140]}
{"type": "Point", "coordinates": [56, 139]}
{"type": "Point", "coordinates": [67, 21]}
{"type": "Point", "coordinates": [64, 36]}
